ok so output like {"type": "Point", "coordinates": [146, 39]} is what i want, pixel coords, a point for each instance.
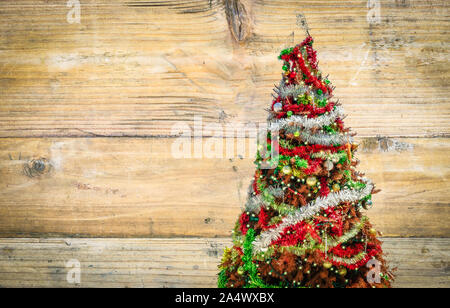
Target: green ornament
{"type": "Point", "coordinates": [240, 270]}
{"type": "Point", "coordinates": [285, 67]}
{"type": "Point", "coordinates": [319, 92]}
{"type": "Point", "coordinates": [289, 113]}
{"type": "Point", "coordinates": [297, 134]}
{"type": "Point", "coordinates": [327, 81]}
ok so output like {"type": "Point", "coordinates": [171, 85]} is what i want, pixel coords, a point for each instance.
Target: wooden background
{"type": "Point", "coordinates": [86, 128]}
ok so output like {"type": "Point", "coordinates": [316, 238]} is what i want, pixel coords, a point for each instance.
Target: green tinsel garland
{"type": "Point", "coordinates": [282, 208]}
{"type": "Point", "coordinates": [339, 157]}
{"type": "Point", "coordinates": [222, 280]}
{"type": "Point", "coordinates": [249, 266]}
{"type": "Point", "coordinates": [285, 144]}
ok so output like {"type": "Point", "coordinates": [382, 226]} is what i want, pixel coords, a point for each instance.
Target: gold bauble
{"type": "Point", "coordinates": [286, 170]}
{"type": "Point", "coordinates": [373, 231]}
{"type": "Point", "coordinates": [327, 265]}
{"type": "Point", "coordinates": [311, 181]}
{"type": "Point", "coordinates": [336, 187]}
{"type": "Point", "coordinates": [240, 271]}
{"type": "Point", "coordinates": [343, 271]}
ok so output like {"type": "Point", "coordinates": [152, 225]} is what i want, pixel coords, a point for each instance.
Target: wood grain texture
{"type": "Point", "coordinates": [133, 187]}
{"type": "Point", "coordinates": [134, 68]}
{"type": "Point", "coordinates": [178, 262]}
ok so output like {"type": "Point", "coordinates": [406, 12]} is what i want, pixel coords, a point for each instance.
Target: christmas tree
{"type": "Point", "coordinates": [303, 224]}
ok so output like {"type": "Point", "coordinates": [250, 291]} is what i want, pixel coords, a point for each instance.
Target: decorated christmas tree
{"type": "Point", "coordinates": [303, 224]}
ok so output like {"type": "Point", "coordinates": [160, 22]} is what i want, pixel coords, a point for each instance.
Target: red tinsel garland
{"type": "Point", "coordinates": [297, 61]}
{"type": "Point", "coordinates": [312, 56]}
{"type": "Point", "coordinates": [340, 124]}
{"type": "Point", "coordinates": [306, 41]}
{"type": "Point", "coordinates": [295, 234]}
{"type": "Point", "coordinates": [333, 221]}
{"type": "Point", "coordinates": [312, 111]}
{"type": "Point", "coordinates": [311, 79]}
{"type": "Point", "coordinates": [239, 249]}
{"type": "Point", "coordinates": [263, 219]}
{"type": "Point", "coordinates": [305, 151]}
{"type": "Point", "coordinates": [313, 165]}
{"type": "Point", "coordinates": [372, 250]}
{"type": "Point", "coordinates": [348, 252]}
{"type": "Point", "coordinates": [309, 110]}
{"type": "Point", "coordinates": [243, 221]}
{"type": "Point", "coordinates": [324, 190]}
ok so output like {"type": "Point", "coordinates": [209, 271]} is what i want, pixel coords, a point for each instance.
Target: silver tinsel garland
{"type": "Point", "coordinates": [254, 203]}
{"type": "Point", "coordinates": [325, 139]}
{"type": "Point", "coordinates": [333, 199]}
{"type": "Point", "coordinates": [291, 90]}
{"type": "Point", "coordinates": [298, 122]}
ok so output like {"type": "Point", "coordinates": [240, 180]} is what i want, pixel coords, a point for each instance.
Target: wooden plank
{"type": "Point", "coordinates": [133, 187]}
{"type": "Point", "coordinates": [182, 263]}
{"type": "Point", "coordinates": [134, 68]}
